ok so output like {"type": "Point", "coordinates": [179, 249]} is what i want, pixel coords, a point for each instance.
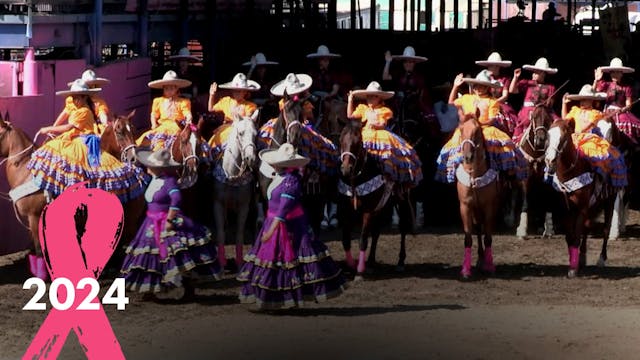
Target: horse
{"type": "Point", "coordinates": [363, 189]}
{"type": "Point", "coordinates": [478, 193]}
{"type": "Point", "coordinates": [585, 194]}
{"type": "Point", "coordinates": [532, 147]}
{"type": "Point", "coordinates": [234, 182]}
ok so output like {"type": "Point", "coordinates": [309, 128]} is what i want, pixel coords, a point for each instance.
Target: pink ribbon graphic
{"type": "Point", "coordinates": [79, 231]}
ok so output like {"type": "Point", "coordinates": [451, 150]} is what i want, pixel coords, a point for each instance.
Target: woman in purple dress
{"type": "Point", "coordinates": [170, 250]}
{"type": "Point", "coordinates": [287, 265]}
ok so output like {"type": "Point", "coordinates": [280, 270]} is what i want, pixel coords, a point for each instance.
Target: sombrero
{"type": "Point", "coordinates": [185, 54]}
{"type": "Point", "coordinates": [78, 87]}
{"type": "Point", "coordinates": [323, 51]}
{"type": "Point", "coordinates": [542, 64]}
{"type": "Point", "coordinates": [293, 84]}
{"type": "Point", "coordinates": [587, 93]}
{"type": "Point", "coordinates": [483, 78]}
{"type": "Point", "coordinates": [169, 78]}
{"type": "Point", "coordinates": [91, 79]}
{"type": "Point", "coordinates": [494, 59]}
{"type": "Point", "coordinates": [374, 89]}
{"type": "Point", "coordinates": [261, 60]}
{"type": "Point", "coordinates": [240, 82]}
{"type": "Point", "coordinates": [160, 159]}
{"type": "Point", "coordinates": [285, 157]}
{"type": "Point", "coordinates": [409, 53]}
{"type": "Point", "coordinates": [616, 65]}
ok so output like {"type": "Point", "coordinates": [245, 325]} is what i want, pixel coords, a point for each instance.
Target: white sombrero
{"type": "Point", "coordinates": [160, 159]}
{"type": "Point", "coordinates": [169, 78]}
{"type": "Point", "coordinates": [542, 64]}
{"type": "Point", "coordinates": [293, 84]}
{"type": "Point", "coordinates": [78, 87]}
{"type": "Point", "coordinates": [240, 82]}
{"type": "Point", "coordinates": [91, 79]}
{"type": "Point", "coordinates": [374, 89]}
{"type": "Point", "coordinates": [323, 51]}
{"type": "Point", "coordinates": [587, 93]}
{"type": "Point", "coordinates": [185, 54]}
{"type": "Point", "coordinates": [261, 60]}
{"type": "Point", "coordinates": [409, 53]}
{"type": "Point", "coordinates": [483, 78]}
{"type": "Point", "coordinates": [616, 65]}
{"type": "Point", "coordinates": [285, 157]}
{"type": "Point", "coordinates": [494, 59]}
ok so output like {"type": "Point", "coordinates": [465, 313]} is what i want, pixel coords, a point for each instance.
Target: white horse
{"type": "Point", "coordinates": [234, 182]}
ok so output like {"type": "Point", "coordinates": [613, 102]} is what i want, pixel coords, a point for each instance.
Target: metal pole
{"type": "Point", "coordinates": [97, 38]}
{"type": "Point", "coordinates": [143, 29]}
{"type": "Point", "coordinates": [392, 14]}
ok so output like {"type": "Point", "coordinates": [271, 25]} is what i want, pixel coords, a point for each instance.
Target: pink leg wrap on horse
{"type": "Point", "coordinates": [221, 256]}
{"type": "Point", "coordinates": [466, 263]}
{"type": "Point", "coordinates": [33, 267]}
{"type": "Point", "coordinates": [41, 268]}
{"type": "Point", "coordinates": [488, 260]}
{"type": "Point", "coordinates": [349, 259]}
{"type": "Point", "coordinates": [239, 256]}
{"type": "Point", "coordinates": [361, 261]}
{"type": "Point", "coordinates": [574, 257]}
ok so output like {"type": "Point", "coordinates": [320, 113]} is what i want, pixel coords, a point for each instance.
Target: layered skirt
{"type": "Point", "coordinates": [605, 159]}
{"type": "Point", "coordinates": [398, 159]}
{"type": "Point", "coordinates": [162, 137]}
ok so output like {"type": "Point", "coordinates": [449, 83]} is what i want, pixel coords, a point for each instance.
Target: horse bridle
{"type": "Point", "coordinates": [561, 147]}
{"type": "Point", "coordinates": [534, 130]}
{"type": "Point", "coordinates": [355, 160]}
{"type": "Point", "coordinates": [243, 165]}
{"type": "Point", "coordinates": [120, 138]}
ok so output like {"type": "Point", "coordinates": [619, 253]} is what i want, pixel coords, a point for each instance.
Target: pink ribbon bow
{"type": "Point", "coordinates": [78, 233]}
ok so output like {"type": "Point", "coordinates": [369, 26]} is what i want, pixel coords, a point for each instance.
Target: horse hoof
{"type": "Point", "coordinates": [602, 262]}
{"type": "Point", "coordinates": [358, 278]}
{"type": "Point", "coordinates": [572, 273]}
{"type": "Point", "coordinates": [522, 238]}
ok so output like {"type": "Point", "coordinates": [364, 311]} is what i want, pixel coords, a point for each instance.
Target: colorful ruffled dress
{"type": "Point", "coordinates": [606, 159]}
{"type": "Point", "coordinates": [617, 96]}
{"type": "Point", "coordinates": [157, 259]}
{"type": "Point", "coordinates": [396, 156]}
{"type": "Point", "coordinates": [535, 94]}
{"type": "Point", "coordinates": [322, 151]}
{"type": "Point", "coordinates": [293, 266]}
{"type": "Point", "coordinates": [500, 148]}
{"type": "Point", "coordinates": [226, 105]}
{"type": "Point", "coordinates": [75, 156]}
{"type": "Point", "coordinates": [169, 114]}
{"type": "Point", "coordinates": [508, 118]}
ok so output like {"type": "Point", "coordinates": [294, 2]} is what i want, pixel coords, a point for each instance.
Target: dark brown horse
{"type": "Point", "coordinates": [585, 194]}
{"type": "Point", "coordinates": [477, 186]}
{"type": "Point", "coordinates": [363, 191]}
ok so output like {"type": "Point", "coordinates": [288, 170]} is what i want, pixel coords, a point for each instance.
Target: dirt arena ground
{"type": "Point", "coordinates": [529, 310]}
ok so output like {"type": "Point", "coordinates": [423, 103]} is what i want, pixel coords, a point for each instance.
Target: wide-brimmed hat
{"type": "Point", "coordinates": [261, 60]}
{"type": "Point", "coordinates": [293, 84]}
{"type": "Point", "coordinates": [91, 79]}
{"type": "Point", "coordinates": [542, 64]}
{"type": "Point", "coordinates": [483, 78]}
{"type": "Point", "coordinates": [285, 157]}
{"type": "Point", "coordinates": [616, 65]}
{"type": "Point", "coordinates": [587, 93]}
{"type": "Point", "coordinates": [160, 159]}
{"type": "Point", "coordinates": [78, 87]}
{"type": "Point", "coordinates": [373, 89]}
{"type": "Point", "coordinates": [323, 51]}
{"type": "Point", "coordinates": [169, 78]}
{"type": "Point", "coordinates": [409, 53]}
{"type": "Point", "coordinates": [494, 59]}
{"type": "Point", "coordinates": [185, 54]}
{"type": "Point", "coordinates": [240, 82]}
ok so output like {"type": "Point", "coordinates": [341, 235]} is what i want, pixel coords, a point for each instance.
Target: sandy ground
{"type": "Point", "coordinates": [528, 310]}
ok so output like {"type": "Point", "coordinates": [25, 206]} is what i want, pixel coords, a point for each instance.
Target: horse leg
{"type": "Point", "coordinates": [243, 212]}
{"type": "Point", "coordinates": [521, 231]}
{"type": "Point", "coordinates": [548, 216]}
{"type": "Point", "coordinates": [467, 222]}
{"type": "Point", "coordinates": [616, 216]}
{"type": "Point", "coordinates": [364, 236]}
{"type": "Point", "coordinates": [375, 235]}
{"type": "Point", "coordinates": [219, 214]}
{"type": "Point", "coordinates": [347, 215]}
{"type": "Point", "coordinates": [610, 221]}
{"type": "Point", "coordinates": [37, 264]}
{"type": "Point", "coordinates": [406, 226]}
{"type": "Point", "coordinates": [574, 237]}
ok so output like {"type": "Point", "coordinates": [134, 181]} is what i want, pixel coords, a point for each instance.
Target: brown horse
{"type": "Point", "coordinates": [585, 194]}
{"type": "Point", "coordinates": [363, 190]}
{"type": "Point", "coordinates": [477, 186]}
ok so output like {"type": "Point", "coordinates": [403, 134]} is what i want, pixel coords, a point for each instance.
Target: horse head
{"type": "Point", "coordinates": [540, 120]}
{"type": "Point", "coordinates": [351, 148]}
{"type": "Point", "coordinates": [290, 117]}
{"type": "Point", "coordinates": [125, 139]}
{"type": "Point", "coordinates": [471, 137]}
{"type": "Point", "coordinates": [559, 136]}
{"type": "Point", "coordinates": [240, 150]}
{"type": "Point", "coordinates": [185, 151]}
{"type": "Point", "coordinates": [5, 128]}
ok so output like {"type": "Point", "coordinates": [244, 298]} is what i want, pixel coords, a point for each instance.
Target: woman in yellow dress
{"type": "Point", "coordinates": [100, 108]}
{"type": "Point", "coordinates": [605, 158]}
{"type": "Point", "coordinates": [500, 148]}
{"type": "Point", "coordinates": [399, 160]}
{"type": "Point", "coordinates": [169, 112]}
{"type": "Point", "coordinates": [240, 88]}
{"type": "Point", "coordinates": [75, 155]}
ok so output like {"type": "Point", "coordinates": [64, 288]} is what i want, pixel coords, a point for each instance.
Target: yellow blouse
{"type": "Point", "coordinates": [227, 103]}
{"type": "Point", "coordinates": [164, 109]}
{"type": "Point", "coordinates": [489, 108]}
{"type": "Point", "coordinates": [383, 114]}
{"type": "Point", "coordinates": [83, 123]}
{"type": "Point", "coordinates": [99, 105]}
{"type": "Point", "coordinates": [585, 119]}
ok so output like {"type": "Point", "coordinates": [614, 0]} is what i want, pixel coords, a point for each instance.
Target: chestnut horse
{"type": "Point", "coordinates": [363, 190]}
{"type": "Point", "coordinates": [585, 193]}
{"type": "Point", "coordinates": [477, 186]}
